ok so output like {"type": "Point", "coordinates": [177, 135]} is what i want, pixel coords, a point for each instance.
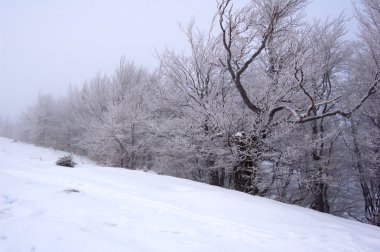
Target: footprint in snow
{"type": "Point", "coordinates": [8, 200]}
{"type": "Point", "coordinates": [5, 213]}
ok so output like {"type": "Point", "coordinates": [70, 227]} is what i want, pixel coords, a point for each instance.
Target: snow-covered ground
{"type": "Point", "coordinates": [122, 210]}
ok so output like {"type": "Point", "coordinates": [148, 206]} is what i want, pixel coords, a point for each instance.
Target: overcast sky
{"type": "Point", "coordinates": [47, 45]}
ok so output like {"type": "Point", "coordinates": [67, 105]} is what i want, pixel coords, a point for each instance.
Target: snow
{"type": "Point", "coordinates": [44, 207]}
{"type": "Point", "coordinates": [239, 134]}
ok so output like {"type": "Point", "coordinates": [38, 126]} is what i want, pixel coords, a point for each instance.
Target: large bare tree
{"type": "Point", "coordinates": [250, 36]}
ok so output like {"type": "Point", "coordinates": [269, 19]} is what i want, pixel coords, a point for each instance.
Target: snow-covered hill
{"type": "Point", "coordinates": [122, 210]}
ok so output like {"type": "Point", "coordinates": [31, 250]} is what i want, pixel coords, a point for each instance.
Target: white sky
{"type": "Point", "coordinates": [47, 45]}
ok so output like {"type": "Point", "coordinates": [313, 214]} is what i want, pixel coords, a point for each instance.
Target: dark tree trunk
{"type": "Point", "coordinates": [371, 199]}
{"type": "Point", "coordinates": [320, 200]}
{"type": "Point", "coordinates": [244, 173]}
{"type": "Point", "coordinates": [217, 177]}
{"type": "Point", "coordinates": [319, 186]}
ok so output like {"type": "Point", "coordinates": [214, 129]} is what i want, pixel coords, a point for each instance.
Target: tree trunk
{"type": "Point", "coordinates": [320, 199]}
{"type": "Point", "coordinates": [217, 177]}
{"type": "Point", "coordinates": [244, 173]}
{"type": "Point", "coordinates": [371, 200]}
{"type": "Point", "coordinates": [319, 187]}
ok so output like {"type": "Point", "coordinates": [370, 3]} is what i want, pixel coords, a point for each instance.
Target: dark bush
{"type": "Point", "coordinates": [66, 161]}
{"type": "Point", "coordinates": [71, 190]}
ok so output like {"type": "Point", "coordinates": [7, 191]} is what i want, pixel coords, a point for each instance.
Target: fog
{"type": "Point", "coordinates": [45, 46]}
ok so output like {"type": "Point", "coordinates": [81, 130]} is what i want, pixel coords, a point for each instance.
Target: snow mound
{"type": "Point", "coordinates": [44, 207]}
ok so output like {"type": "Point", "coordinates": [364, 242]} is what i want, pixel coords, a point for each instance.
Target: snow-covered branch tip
{"type": "Point", "coordinates": [303, 118]}
{"type": "Point", "coordinates": [372, 90]}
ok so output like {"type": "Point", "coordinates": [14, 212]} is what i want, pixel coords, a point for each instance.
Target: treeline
{"type": "Point", "coordinates": [264, 103]}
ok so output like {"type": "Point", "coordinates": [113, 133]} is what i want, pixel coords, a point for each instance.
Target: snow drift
{"type": "Point", "coordinates": [44, 207]}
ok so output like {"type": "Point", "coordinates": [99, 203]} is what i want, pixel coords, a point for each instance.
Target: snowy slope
{"type": "Point", "coordinates": [123, 210]}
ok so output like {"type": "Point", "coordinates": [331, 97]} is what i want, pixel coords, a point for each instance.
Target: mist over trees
{"type": "Point", "coordinates": [264, 103]}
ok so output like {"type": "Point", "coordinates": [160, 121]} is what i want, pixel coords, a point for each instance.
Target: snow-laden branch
{"type": "Point", "coordinates": [302, 118]}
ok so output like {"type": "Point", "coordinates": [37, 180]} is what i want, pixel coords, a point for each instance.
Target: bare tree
{"type": "Point", "coordinates": [195, 89]}
{"type": "Point", "coordinates": [40, 122]}
{"type": "Point", "coordinates": [365, 140]}
{"type": "Point", "coordinates": [248, 36]}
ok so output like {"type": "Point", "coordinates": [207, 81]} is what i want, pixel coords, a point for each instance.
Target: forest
{"type": "Point", "coordinates": [264, 102]}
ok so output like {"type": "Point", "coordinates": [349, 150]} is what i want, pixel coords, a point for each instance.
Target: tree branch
{"type": "Point", "coordinates": [307, 118]}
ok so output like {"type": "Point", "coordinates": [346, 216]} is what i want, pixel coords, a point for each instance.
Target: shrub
{"type": "Point", "coordinates": [66, 161]}
{"type": "Point", "coordinates": [71, 190]}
